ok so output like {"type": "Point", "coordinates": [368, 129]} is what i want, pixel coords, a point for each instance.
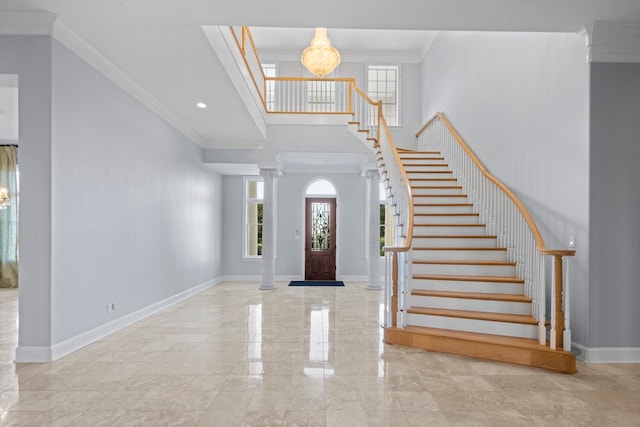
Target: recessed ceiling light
{"type": "Point", "coordinates": [201, 105]}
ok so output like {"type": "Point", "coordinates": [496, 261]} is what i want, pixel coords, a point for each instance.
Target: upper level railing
{"type": "Point", "coordinates": [508, 219]}
{"type": "Point", "coordinates": [294, 95]}
{"type": "Point", "coordinates": [298, 95]}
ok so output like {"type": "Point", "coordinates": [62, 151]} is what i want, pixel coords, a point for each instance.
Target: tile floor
{"type": "Point", "coordinates": [235, 355]}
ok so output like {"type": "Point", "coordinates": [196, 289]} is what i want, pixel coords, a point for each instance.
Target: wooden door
{"type": "Point", "coordinates": [320, 239]}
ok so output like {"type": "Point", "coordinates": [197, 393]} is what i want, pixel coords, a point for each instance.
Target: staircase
{"type": "Point", "coordinates": [465, 297]}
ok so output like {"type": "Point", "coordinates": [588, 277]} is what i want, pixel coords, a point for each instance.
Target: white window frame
{"type": "Point", "coordinates": [270, 70]}
{"type": "Point", "coordinates": [247, 201]}
{"type": "Point", "coordinates": [375, 97]}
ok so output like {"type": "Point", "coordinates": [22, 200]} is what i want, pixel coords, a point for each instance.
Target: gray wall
{"type": "Point", "coordinates": [351, 246]}
{"type": "Point", "coordinates": [30, 58]}
{"type": "Point", "coordinates": [521, 101]}
{"type": "Point", "coordinates": [116, 205]}
{"type": "Point", "coordinates": [136, 216]}
{"type": "Point", "coordinates": [614, 283]}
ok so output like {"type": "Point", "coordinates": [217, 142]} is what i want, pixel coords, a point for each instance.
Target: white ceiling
{"type": "Point", "coordinates": [160, 47]}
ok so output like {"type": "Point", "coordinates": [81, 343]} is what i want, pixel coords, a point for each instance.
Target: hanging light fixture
{"type": "Point", "coordinates": [320, 57]}
{"type": "Point", "coordinates": [4, 198]}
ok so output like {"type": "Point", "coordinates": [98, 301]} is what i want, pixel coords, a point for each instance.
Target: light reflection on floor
{"type": "Point", "coordinates": [235, 355]}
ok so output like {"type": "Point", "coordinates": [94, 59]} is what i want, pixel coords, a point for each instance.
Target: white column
{"type": "Point", "coordinates": [268, 229]}
{"type": "Point", "coordinates": [373, 279]}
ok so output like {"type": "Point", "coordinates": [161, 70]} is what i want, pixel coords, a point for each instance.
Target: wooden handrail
{"type": "Point", "coordinates": [311, 79]}
{"type": "Point", "coordinates": [523, 210]}
{"type": "Point", "coordinates": [409, 238]}
{"type": "Point", "coordinates": [426, 125]}
{"type": "Point", "coordinates": [243, 53]}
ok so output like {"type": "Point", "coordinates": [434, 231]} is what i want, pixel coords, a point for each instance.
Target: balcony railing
{"type": "Point", "coordinates": [294, 95]}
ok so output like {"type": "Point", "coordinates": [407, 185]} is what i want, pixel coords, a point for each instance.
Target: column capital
{"type": "Point", "coordinates": [271, 172]}
{"type": "Point", "coordinates": [372, 173]}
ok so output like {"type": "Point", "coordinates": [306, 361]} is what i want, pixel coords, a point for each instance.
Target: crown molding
{"type": "Point", "coordinates": [45, 23]}
{"type": "Point", "coordinates": [90, 54]}
{"type": "Point", "coordinates": [16, 22]}
{"type": "Point", "coordinates": [613, 41]}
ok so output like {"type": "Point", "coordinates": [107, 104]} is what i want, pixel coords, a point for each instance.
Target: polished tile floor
{"type": "Point", "coordinates": [235, 355]}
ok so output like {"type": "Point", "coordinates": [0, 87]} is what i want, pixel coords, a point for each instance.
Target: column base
{"type": "Point", "coordinates": [267, 286]}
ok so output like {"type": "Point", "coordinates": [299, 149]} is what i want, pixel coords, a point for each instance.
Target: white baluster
{"type": "Point", "coordinates": [567, 310]}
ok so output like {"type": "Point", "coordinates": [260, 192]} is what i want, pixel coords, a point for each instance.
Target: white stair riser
{"type": "Point", "coordinates": [413, 175]}
{"type": "Point", "coordinates": [489, 306]}
{"type": "Point", "coordinates": [419, 155]}
{"type": "Point", "coordinates": [422, 160]}
{"type": "Point", "coordinates": [445, 230]}
{"type": "Point", "coordinates": [454, 242]}
{"type": "Point", "coordinates": [468, 286]}
{"type": "Point", "coordinates": [426, 191]}
{"type": "Point", "coordinates": [439, 199]}
{"type": "Point", "coordinates": [441, 181]}
{"type": "Point", "coordinates": [443, 209]}
{"type": "Point", "coordinates": [445, 219]}
{"type": "Point", "coordinates": [458, 255]}
{"type": "Point", "coordinates": [464, 270]}
{"type": "Point", "coordinates": [472, 325]}
{"type": "Point", "coordinates": [427, 167]}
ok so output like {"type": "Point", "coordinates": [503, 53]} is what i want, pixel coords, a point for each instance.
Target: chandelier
{"type": "Point", "coordinates": [4, 198]}
{"type": "Point", "coordinates": [320, 57]}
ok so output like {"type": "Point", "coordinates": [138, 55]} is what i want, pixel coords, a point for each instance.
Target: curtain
{"type": "Point", "coordinates": [9, 218]}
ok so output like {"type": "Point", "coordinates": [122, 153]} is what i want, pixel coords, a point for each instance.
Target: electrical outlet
{"type": "Point", "coordinates": [109, 309]}
{"type": "Point", "coordinates": [572, 242]}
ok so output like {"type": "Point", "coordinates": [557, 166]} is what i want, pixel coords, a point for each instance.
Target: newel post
{"type": "Point", "coordinates": [559, 336]}
{"type": "Point", "coordinates": [394, 290]}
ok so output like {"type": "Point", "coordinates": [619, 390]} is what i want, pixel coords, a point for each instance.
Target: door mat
{"type": "Point", "coordinates": [316, 283]}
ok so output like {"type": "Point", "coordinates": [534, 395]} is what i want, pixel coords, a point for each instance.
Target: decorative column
{"type": "Point", "coordinates": [373, 280]}
{"type": "Point", "coordinates": [268, 229]}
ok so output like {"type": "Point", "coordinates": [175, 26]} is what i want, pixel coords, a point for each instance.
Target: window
{"type": "Point", "coordinates": [382, 84]}
{"type": "Point", "coordinates": [270, 95]}
{"type": "Point", "coordinates": [386, 221]}
{"type": "Point", "coordinates": [254, 193]}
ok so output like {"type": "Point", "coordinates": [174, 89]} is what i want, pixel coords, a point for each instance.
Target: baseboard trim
{"type": "Point", "coordinates": [257, 278]}
{"type": "Point", "coordinates": [608, 354]}
{"type": "Point", "coordinates": [63, 348]}
{"type": "Point", "coordinates": [29, 354]}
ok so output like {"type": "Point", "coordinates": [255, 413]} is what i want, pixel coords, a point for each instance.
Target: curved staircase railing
{"type": "Point", "coordinates": [507, 218]}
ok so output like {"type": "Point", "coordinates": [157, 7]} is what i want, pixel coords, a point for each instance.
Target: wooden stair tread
{"type": "Point", "coordinates": [477, 315]}
{"type": "Point", "coordinates": [485, 296]}
{"type": "Point", "coordinates": [458, 249]}
{"type": "Point", "coordinates": [428, 172]}
{"type": "Point", "coordinates": [465, 262]}
{"type": "Point", "coordinates": [442, 204]}
{"type": "Point", "coordinates": [452, 237]}
{"type": "Point", "coordinates": [439, 187]}
{"type": "Point", "coordinates": [408, 151]}
{"type": "Point", "coordinates": [433, 179]}
{"type": "Point", "coordinates": [468, 278]}
{"type": "Point", "coordinates": [446, 214]}
{"type": "Point", "coordinates": [450, 225]}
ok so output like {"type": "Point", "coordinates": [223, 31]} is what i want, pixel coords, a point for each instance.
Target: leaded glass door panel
{"type": "Point", "coordinates": [320, 239]}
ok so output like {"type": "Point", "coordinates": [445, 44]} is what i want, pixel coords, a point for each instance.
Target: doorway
{"type": "Point", "coordinates": [320, 238]}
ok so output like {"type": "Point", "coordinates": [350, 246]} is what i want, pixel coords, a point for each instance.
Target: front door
{"type": "Point", "coordinates": [320, 239]}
